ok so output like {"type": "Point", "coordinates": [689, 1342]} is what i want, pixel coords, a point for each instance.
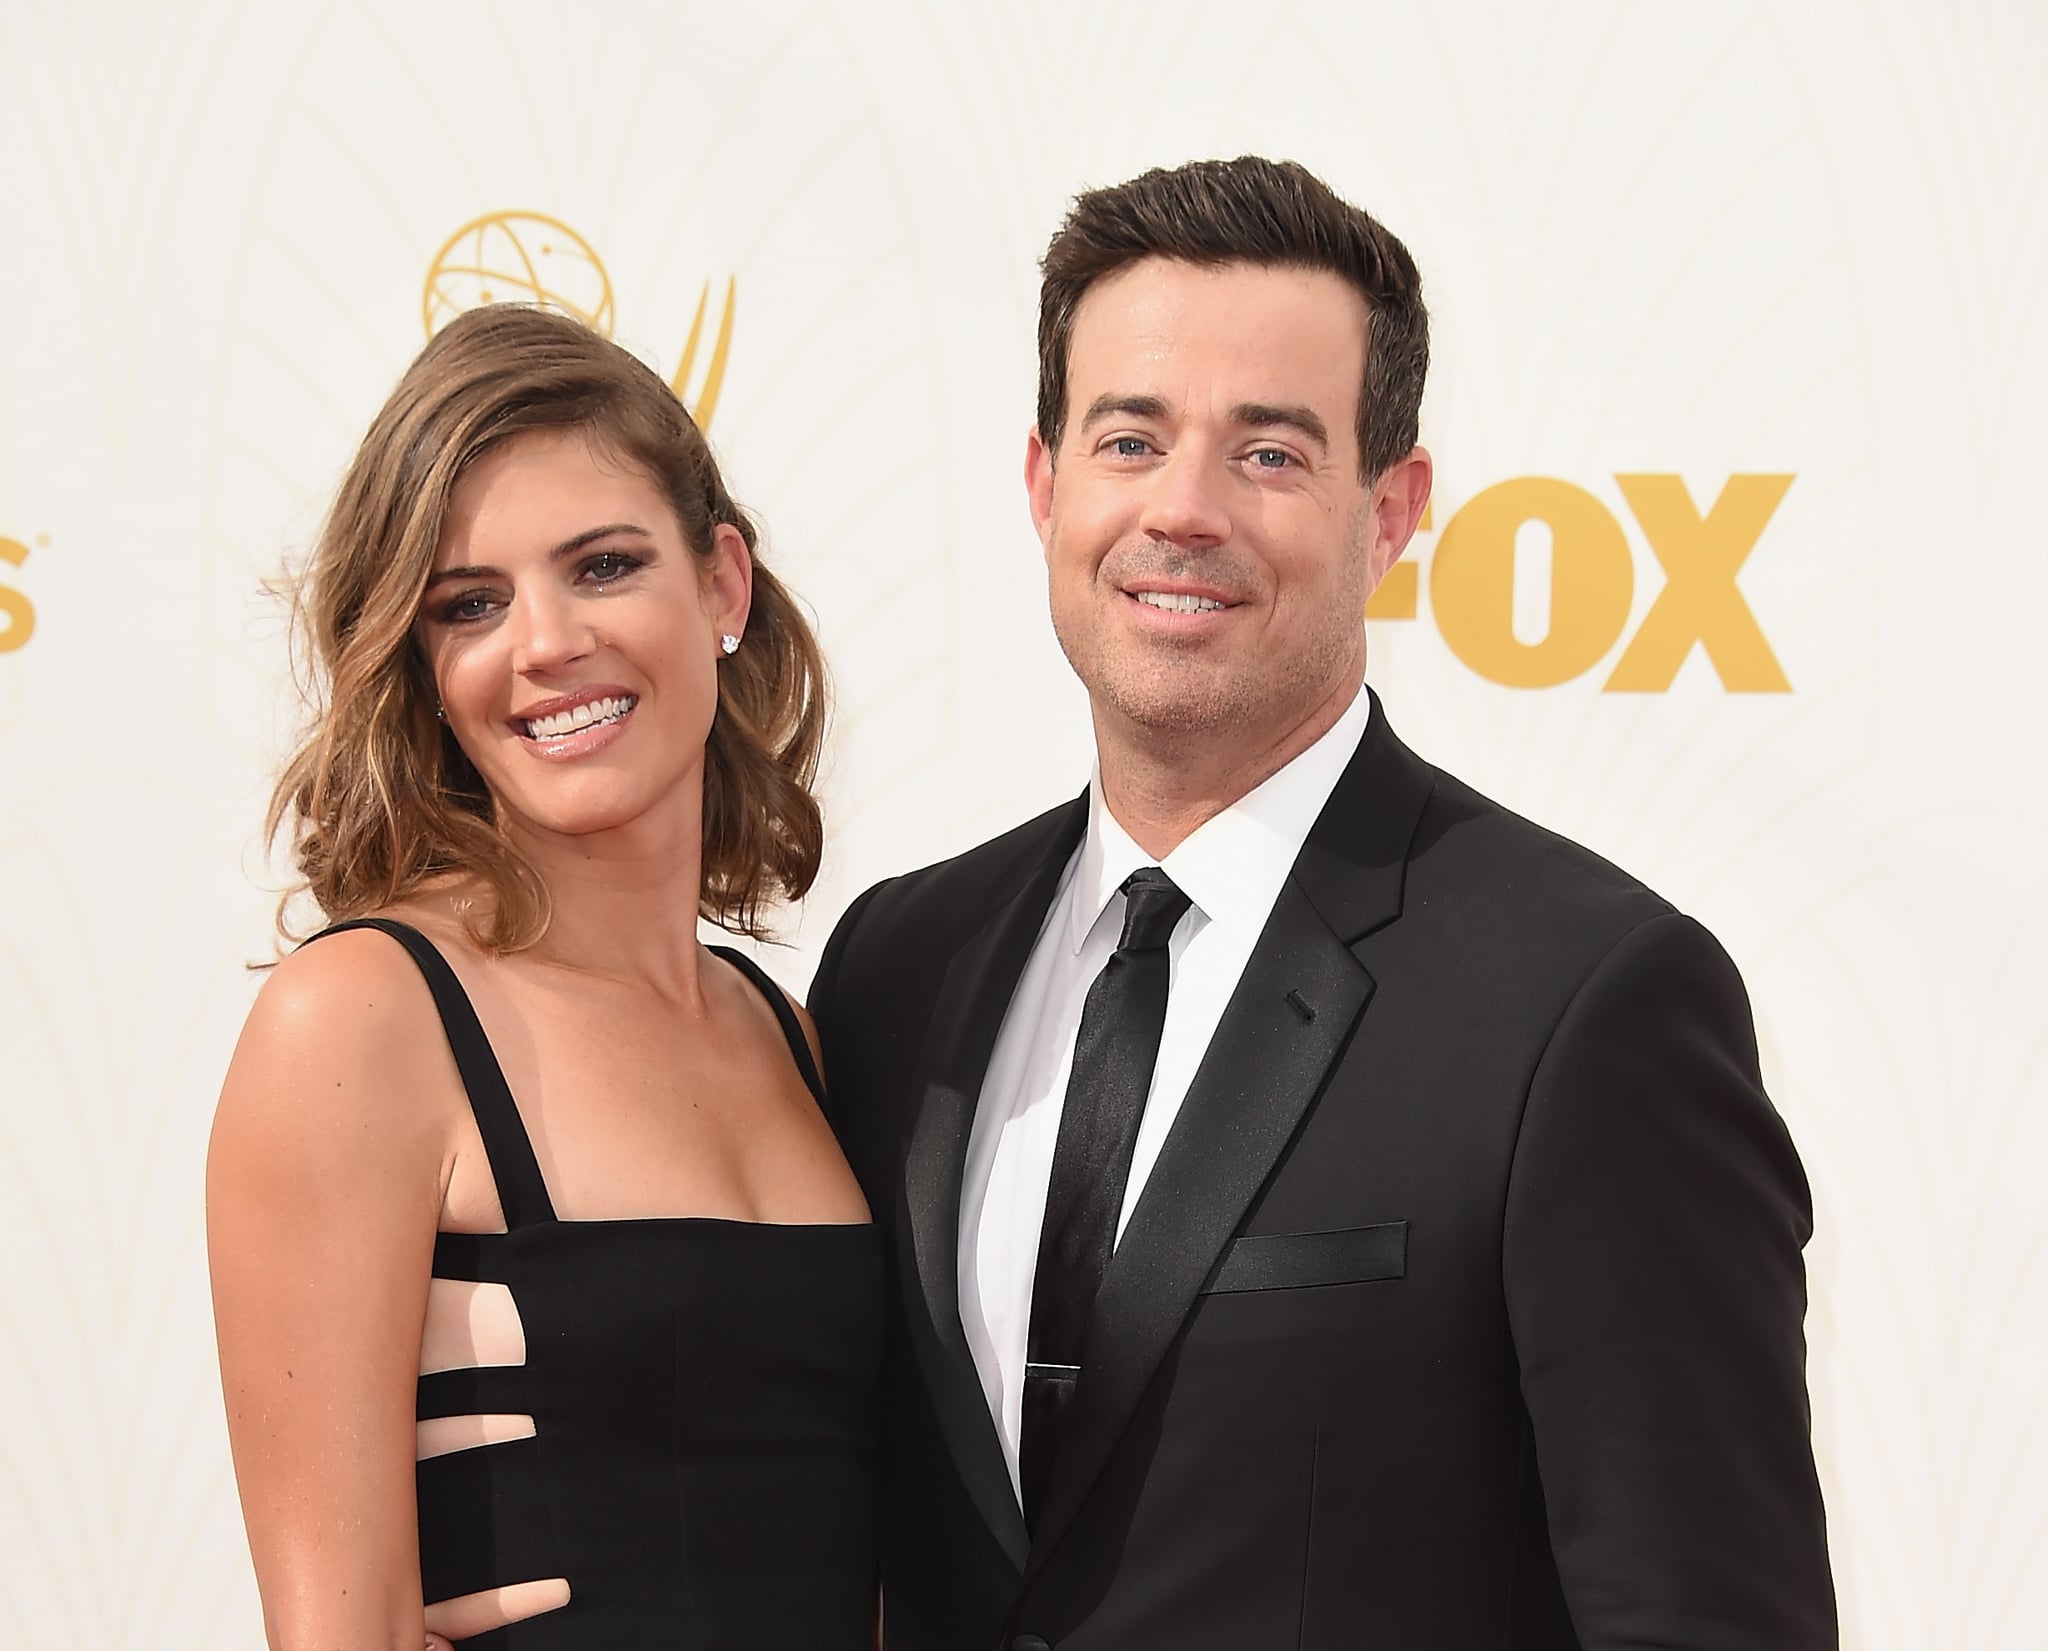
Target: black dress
{"type": "Point", "coordinates": [705, 1397]}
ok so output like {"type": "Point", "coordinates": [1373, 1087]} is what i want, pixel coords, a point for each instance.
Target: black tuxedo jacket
{"type": "Point", "coordinates": [1462, 1309]}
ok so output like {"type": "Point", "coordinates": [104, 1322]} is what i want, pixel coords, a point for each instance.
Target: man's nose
{"type": "Point", "coordinates": [1186, 503]}
{"type": "Point", "coordinates": [549, 630]}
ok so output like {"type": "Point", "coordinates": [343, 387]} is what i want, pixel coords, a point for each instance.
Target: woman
{"type": "Point", "coordinates": [549, 1313]}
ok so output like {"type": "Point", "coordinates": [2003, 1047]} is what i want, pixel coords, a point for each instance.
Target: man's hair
{"type": "Point", "coordinates": [379, 798]}
{"type": "Point", "coordinates": [1246, 211]}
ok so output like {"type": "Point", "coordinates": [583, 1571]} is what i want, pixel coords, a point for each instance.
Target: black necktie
{"type": "Point", "coordinates": [1114, 1053]}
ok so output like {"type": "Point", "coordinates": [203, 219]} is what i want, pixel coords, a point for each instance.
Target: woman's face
{"type": "Point", "coordinates": [574, 638]}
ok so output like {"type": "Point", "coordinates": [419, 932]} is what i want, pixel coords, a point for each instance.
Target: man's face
{"type": "Point", "coordinates": [1209, 540]}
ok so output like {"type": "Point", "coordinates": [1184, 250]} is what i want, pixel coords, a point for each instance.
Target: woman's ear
{"type": "Point", "coordinates": [729, 581]}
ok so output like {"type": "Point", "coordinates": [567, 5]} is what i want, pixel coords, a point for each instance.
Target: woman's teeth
{"type": "Point", "coordinates": [1175, 602]}
{"type": "Point", "coordinates": [590, 714]}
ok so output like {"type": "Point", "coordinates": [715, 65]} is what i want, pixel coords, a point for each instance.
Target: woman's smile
{"type": "Point", "coordinates": [577, 724]}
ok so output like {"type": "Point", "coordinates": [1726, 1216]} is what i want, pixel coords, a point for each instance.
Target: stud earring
{"type": "Point", "coordinates": [439, 714]}
{"type": "Point", "coordinates": [729, 642]}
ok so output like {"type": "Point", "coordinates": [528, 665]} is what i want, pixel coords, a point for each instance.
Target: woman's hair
{"type": "Point", "coordinates": [379, 797]}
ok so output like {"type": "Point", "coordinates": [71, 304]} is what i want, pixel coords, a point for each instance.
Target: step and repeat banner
{"type": "Point", "coordinates": [1735, 571]}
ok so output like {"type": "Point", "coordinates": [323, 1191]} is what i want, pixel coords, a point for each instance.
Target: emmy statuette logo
{"type": "Point", "coordinates": [531, 258]}
{"type": "Point", "coordinates": [17, 612]}
{"type": "Point", "coordinates": [1473, 573]}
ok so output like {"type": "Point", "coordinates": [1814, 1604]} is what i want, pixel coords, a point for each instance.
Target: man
{"type": "Point", "coordinates": [1329, 1211]}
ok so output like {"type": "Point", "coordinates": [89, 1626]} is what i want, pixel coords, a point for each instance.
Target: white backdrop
{"type": "Point", "coordinates": [1707, 242]}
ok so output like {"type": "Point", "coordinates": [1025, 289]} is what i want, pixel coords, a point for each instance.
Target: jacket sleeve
{"type": "Point", "coordinates": [837, 1018]}
{"type": "Point", "coordinates": [1651, 1260]}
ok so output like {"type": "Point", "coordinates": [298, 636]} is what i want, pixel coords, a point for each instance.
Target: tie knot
{"type": "Point", "coordinates": [1153, 904]}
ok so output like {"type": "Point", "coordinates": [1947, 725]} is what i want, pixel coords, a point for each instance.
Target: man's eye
{"type": "Point", "coordinates": [1130, 447]}
{"type": "Point", "coordinates": [1271, 458]}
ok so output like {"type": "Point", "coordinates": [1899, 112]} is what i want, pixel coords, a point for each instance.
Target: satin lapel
{"type": "Point", "coordinates": [965, 1021]}
{"type": "Point", "coordinates": [1293, 1011]}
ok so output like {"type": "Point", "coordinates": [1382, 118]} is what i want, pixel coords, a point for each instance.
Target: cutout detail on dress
{"type": "Point", "coordinates": [470, 1325]}
{"type": "Point", "coordinates": [471, 1614]}
{"type": "Point", "coordinates": [440, 1435]}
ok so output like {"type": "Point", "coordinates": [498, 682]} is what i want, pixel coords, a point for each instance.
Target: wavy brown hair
{"type": "Point", "coordinates": [379, 798]}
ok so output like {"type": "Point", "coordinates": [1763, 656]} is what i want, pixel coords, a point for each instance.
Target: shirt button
{"type": "Point", "coordinates": [1030, 1642]}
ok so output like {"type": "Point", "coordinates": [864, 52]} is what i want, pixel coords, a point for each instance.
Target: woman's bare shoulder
{"type": "Point", "coordinates": [339, 986]}
{"type": "Point", "coordinates": [344, 1030]}
{"type": "Point", "coordinates": [349, 982]}
{"type": "Point", "coordinates": [749, 993]}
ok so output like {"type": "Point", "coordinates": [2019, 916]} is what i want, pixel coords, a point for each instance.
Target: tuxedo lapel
{"type": "Point", "coordinates": [1293, 1012]}
{"type": "Point", "coordinates": [966, 1019]}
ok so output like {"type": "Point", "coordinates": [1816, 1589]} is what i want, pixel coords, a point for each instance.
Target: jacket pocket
{"type": "Point", "coordinates": [1295, 1261]}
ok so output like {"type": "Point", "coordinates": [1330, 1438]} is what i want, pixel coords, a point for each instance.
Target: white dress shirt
{"type": "Point", "coordinates": [1232, 868]}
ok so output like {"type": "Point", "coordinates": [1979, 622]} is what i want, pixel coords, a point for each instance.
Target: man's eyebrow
{"type": "Point", "coordinates": [1130, 406]}
{"type": "Point", "coordinates": [1303, 419]}
{"type": "Point", "coordinates": [568, 547]}
{"type": "Point", "coordinates": [1257, 413]}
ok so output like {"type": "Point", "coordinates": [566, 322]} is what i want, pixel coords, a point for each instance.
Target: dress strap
{"type": "Point", "coordinates": [522, 1194]}
{"type": "Point", "coordinates": [792, 1028]}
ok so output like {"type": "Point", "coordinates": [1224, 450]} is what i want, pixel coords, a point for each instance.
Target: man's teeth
{"type": "Point", "coordinates": [587, 715]}
{"type": "Point", "coordinates": [1176, 602]}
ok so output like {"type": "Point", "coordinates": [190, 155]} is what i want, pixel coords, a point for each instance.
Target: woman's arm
{"type": "Point", "coordinates": [325, 1178]}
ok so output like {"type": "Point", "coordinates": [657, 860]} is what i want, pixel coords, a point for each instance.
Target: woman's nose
{"type": "Point", "coordinates": [549, 631]}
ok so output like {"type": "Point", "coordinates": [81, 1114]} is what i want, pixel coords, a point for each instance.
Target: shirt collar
{"type": "Point", "coordinates": [1233, 865]}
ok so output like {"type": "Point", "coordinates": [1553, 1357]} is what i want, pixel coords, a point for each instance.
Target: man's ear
{"type": "Point", "coordinates": [1399, 498]}
{"type": "Point", "coordinates": [1038, 485]}
{"type": "Point", "coordinates": [729, 580]}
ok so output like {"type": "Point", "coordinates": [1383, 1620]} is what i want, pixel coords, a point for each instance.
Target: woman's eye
{"type": "Point", "coordinates": [470, 605]}
{"type": "Point", "coordinates": [602, 569]}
